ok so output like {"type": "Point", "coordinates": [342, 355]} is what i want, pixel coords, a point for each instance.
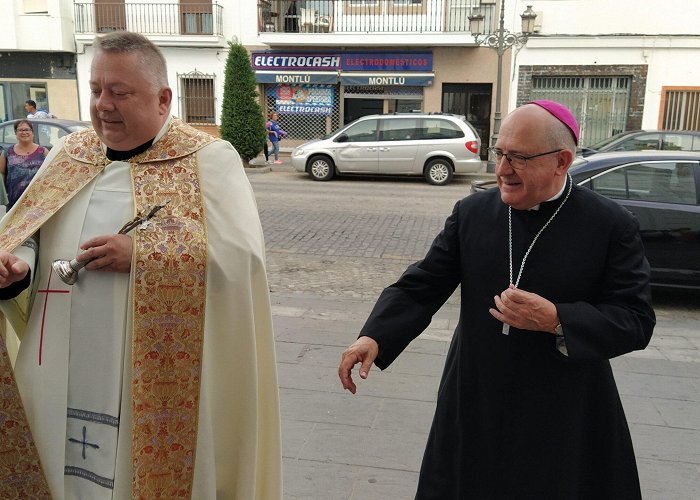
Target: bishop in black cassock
{"type": "Point", "coordinates": [527, 415]}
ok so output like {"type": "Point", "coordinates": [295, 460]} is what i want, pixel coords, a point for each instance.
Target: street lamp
{"type": "Point", "coordinates": [500, 40]}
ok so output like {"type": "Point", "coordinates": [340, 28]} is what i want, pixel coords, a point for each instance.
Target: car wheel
{"type": "Point", "coordinates": [321, 168]}
{"type": "Point", "coordinates": [438, 172]}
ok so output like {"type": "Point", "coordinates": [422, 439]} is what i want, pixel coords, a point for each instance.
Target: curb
{"type": "Point", "coordinates": [258, 170]}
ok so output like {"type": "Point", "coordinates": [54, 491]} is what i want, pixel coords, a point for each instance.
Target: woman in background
{"type": "Point", "coordinates": [22, 161]}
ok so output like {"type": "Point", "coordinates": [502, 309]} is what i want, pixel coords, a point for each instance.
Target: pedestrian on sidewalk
{"type": "Point", "coordinates": [33, 112]}
{"type": "Point", "coordinates": [554, 283]}
{"type": "Point", "coordinates": [266, 149]}
{"type": "Point", "coordinates": [266, 152]}
{"type": "Point", "coordinates": [275, 134]}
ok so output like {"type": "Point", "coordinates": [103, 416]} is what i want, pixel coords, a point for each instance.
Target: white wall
{"type": "Point", "coordinates": [613, 16]}
{"type": "Point", "coordinates": [37, 31]}
{"type": "Point", "coordinates": [247, 30]}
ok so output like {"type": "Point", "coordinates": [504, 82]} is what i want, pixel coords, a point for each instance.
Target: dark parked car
{"type": "Point", "coordinates": [47, 131]}
{"type": "Point", "coordinates": [641, 140]}
{"type": "Point", "coordinates": [661, 188]}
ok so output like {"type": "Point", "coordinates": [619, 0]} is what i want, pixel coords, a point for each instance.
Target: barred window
{"type": "Point", "coordinates": [197, 98]}
{"type": "Point", "coordinates": [680, 108]}
{"type": "Point", "coordinates": [599, 102]}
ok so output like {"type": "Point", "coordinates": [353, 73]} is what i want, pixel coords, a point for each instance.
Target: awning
{"type": "Point", "coordinates": [297, 77]}
{"type": "Point", "coordinates": [395, 79]}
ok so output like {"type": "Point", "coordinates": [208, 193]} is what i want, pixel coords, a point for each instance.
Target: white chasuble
{"type": "Point", "coordinates": [74, 366]}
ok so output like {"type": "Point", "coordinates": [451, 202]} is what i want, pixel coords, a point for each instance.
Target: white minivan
{"type": "Point", "coordinates": [434, 145]}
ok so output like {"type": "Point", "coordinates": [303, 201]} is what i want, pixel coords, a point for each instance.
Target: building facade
{"type": "Point", "coordinates": [37, 58]}
{"type": "Point", "coordinates": [359, 57]}
{"type": "Point", "coordinates": [323, 63]}
{"type": "Point", "coordinates": [617, 65]}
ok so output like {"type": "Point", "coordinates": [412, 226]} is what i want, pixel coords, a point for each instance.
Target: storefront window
{"type": "Point", "coordinates": [405, 106]}
{"type": "Point", "coordinates": [19, 92]}
{"type": "Point", "coordinates": [306, 111]}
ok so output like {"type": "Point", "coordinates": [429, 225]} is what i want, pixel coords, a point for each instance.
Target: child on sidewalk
{"type": "Point", "coordinates": [275, 134]}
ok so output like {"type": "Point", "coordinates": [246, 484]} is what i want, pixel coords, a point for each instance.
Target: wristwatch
{"type": "Point", "coordinates": [558, 331]}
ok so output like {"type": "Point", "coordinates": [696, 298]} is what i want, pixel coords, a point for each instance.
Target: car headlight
{"type": "Point", "coordinates": [298, 152]}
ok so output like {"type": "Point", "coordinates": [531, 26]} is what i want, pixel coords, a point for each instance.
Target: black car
{"type": "Point", "coordinates": [662, 189]}
{"type": "Point", "coordinates": [641, 140]}
{"type": "Point", "coordinates": [47, 131]}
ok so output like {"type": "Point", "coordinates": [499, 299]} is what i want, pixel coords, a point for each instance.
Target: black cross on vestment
{"type": "Point", "coordinates": [84, 442]}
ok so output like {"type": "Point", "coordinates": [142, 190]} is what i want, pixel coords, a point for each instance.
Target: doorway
{"type": "Point", "coordinates": [357, 108]}
{"type": "Point", "coordinates": [472, 100]}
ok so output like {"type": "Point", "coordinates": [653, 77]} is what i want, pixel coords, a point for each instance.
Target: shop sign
{"type": "Point", "coordinates": [281, 61]}
{"type": "Point", "coordinates": [348, 61]}
{"type": "Point", "coordinates": [387, 61]}
{"type": "Point", "coordinates": [388, 80]}
{"type": "Point", "coordinates": [302, 99]}
{"type": "Point", "coordinates": [296, 78]}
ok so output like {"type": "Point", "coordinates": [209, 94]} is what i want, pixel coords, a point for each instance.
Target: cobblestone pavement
{"type": "Point", "coordinates": [331, 248]}
{"type": "Point", "coordinates": [347, 238]}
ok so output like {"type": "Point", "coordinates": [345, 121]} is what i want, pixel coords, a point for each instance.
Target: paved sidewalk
{"type": "Point", "coordinates": [369, 446]}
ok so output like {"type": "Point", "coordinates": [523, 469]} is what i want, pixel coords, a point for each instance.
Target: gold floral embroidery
{"type": "Point", "coordinates": [169, 287]}
{"type": "Point", "coordinates": [56, 185]}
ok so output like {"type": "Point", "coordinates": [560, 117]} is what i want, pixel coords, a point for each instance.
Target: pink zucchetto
{"type": "Point", "coordinates": [561, 113]}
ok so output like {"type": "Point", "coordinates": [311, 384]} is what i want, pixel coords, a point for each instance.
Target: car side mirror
{"type": "Point", "coordinates": [341, 138]}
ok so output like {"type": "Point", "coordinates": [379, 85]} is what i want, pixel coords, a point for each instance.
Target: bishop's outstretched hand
{"type": "Point", "coordinates": [364, 350]}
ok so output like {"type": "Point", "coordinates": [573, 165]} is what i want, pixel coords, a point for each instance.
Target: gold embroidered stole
{"type": "Point", "coordinates": [169, 287]}
{"type": "Point", "coordinates": [169, 295]}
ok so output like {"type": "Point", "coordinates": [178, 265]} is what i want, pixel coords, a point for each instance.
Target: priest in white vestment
{"type": "Point", "coordinates": [154, 374]}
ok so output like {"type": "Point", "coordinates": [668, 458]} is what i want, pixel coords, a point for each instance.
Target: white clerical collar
{"type": "Point", "coordinates": [556, 196]}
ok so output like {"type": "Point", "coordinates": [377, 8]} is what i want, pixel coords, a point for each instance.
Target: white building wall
{"type": "Point", "coordinates": [37, 25]}
{"type": "Point", "coordinates": [664, 36]}
{"type": "Point", "coordinates": [247, 29]}
{"type": "Point", "coordinates": [591, 17]}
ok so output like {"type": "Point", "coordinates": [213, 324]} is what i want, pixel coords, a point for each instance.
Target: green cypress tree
{"type": "Point", "coordinates": [242, 122]}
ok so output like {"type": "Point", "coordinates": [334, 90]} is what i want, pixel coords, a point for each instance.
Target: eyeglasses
{"type": "Point", "coordinates": [514, 160]}
{"type": "Point", "coordinates": [24, 130]}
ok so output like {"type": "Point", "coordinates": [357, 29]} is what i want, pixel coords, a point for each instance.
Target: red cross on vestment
{"type": "Point", "coordinates": [47, 291]}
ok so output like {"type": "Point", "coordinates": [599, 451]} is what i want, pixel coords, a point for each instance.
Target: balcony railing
{"type": "Point", "coordinates": [149, 18]}
{"type": "Point", "coordinates": [371, 16]}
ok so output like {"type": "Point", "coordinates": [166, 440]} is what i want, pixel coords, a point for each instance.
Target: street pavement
{"type": "Point", "coordinates": [331, 248]}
